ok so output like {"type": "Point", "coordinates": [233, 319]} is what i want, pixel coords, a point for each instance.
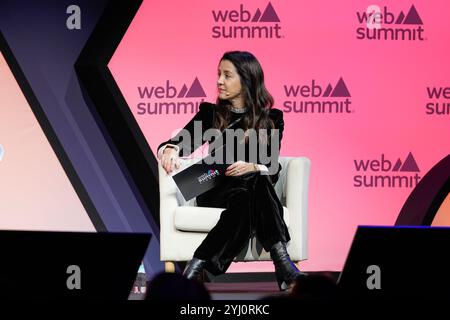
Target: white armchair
{"type": "Point", "coordinates": [183, 225]}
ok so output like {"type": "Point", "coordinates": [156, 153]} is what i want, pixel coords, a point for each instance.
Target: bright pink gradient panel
{"type": "Point", "coordinates": [35, 192]}
{"type": "Point", "coordinates": [314, 44]}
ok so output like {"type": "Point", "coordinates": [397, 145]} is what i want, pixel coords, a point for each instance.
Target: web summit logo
{"type": "Point", "coordinates": [315, 99]}
{"type": "Point", "coordinates": [436, 104]}
{"type": "Point", "coordinates": [208, 176]}
{"type": "Point", "coordinates": [381, 173]}
{"type": "Point", "coordinates": [167, 99]}
{"type": "Point", "coordinates": [242, 24]}
{"type": "Point", "coordinates": [384, 25]}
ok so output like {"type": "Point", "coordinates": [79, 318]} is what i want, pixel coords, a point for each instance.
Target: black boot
{"type": "Point", "coordinates": [285, 270]}
{"type": "Point", "coordinates": [194, 269]}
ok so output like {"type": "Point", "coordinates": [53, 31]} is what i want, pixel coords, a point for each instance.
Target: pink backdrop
{"type": "Point", "coordinates": [384, 94]}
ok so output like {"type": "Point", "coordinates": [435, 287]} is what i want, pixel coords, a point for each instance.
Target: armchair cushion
{"type": "Point", "coordinates": [201, 219]}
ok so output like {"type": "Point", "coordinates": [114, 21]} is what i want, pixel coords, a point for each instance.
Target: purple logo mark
{"type": "Point", "coordinates": [438, 101]}
{"type": "Point", "coordinates": [242, 23]}
{"type": "Point", "coordinates": [383, 173]}
{"type": "Point", "coordinates": [160, 99]}
{"type": "Point", "coordinates": [269, 15]}
{"type": "Point", "coordinates": [196, 90]}
{"type": "Point", "coordinates": [384, 25]}
{"type": "Point", "coordinates": [314, 98]}
{"type": "Point", "coordinates": [410, 164]}
{"type": "Point", "coordinates": [412, 17]}
{"type": "Point", "coordinates": [340, 90]}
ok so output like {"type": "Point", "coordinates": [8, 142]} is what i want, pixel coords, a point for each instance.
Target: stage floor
{"type": "Point", "coordinates": [235, 291]}
{"type": "Point", "coordinates": [242, 286]}
{"type": "Point", "coordinates": [243, 290]}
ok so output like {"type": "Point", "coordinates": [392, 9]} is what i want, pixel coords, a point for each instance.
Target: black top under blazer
{"type": "Point", "coordinates": [206, 115]}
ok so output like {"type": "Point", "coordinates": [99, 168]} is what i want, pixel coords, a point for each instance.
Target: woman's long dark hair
{"type": "Point", "coordinates": [256, 97]}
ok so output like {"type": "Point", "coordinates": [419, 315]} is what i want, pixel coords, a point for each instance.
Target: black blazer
{"type": "Point", "coordinates": [206, 116]}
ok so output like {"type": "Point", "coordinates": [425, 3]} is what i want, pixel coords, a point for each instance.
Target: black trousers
{"type": "Point", "coordinates": [252, 209]}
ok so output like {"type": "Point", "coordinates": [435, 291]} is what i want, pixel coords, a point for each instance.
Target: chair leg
{"type": "Point", "coordinates": [169, 267]}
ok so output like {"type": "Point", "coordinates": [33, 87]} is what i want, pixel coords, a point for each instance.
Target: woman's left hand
{"type": "Point", "coordinates": [239, 168]}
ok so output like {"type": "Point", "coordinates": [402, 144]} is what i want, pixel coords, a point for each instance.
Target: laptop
{"type": "Point", "coordinates": [401, 261]}
{"type": "Point", "coordinates": [44, 265]}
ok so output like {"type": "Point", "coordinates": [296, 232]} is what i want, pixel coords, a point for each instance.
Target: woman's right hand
{"type": "Point", "coordinates": [170, 160]}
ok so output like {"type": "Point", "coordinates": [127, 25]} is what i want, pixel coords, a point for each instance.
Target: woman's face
{"type": "Point", "coordinates": [229, 82]}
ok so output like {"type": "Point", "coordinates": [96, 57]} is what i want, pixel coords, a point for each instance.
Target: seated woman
{"type": "Point", "coordinates": [247, 193]}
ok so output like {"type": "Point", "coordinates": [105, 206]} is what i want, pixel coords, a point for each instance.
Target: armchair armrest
{"type": "Point", "coordinates": [170, 199]}
{"type": "Point", "coordinates": [296, 191]}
